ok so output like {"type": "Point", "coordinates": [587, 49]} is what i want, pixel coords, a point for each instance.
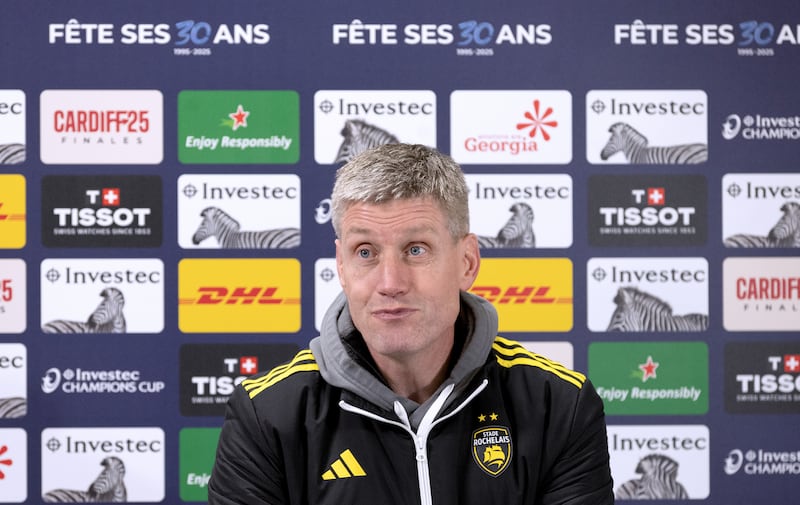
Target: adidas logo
{"type": "Point", "coordinates": [344, 467]}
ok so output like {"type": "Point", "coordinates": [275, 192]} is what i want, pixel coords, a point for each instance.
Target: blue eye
{"type": "Point", "coordinates": [415, 250]}
{"type": "Point", "coordinates": [363, 253]}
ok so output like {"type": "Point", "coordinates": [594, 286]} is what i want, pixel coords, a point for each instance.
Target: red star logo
{"type": "Point", "coordinates": [239, 118]}
{"type": "Point", "coordinates": [6, 462]}
{"type": "Point", "coordinates": [648, 369]}
{"type": "Point", "coordinates": [538, 122]}
{"type": "Point", "coordinates": [656, 196]}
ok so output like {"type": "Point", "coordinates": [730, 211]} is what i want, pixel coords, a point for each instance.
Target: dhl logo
{"type": "Point", "coordinates": [215, 295]}
{"type": "Point", "coordinates": [518, 294]}
{"type": "Point", "coordinates": [10, 217]}
{"type": "Point", "coordinates": [12, 211]}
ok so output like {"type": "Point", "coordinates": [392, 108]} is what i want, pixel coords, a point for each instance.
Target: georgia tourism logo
{"type": "Point", "coordinates": [637, 211]}
{"type": "Point", "coordinates": [761, 294]}
{"type": "Point", "coordinates": [101, 211]}
{"type": "Point", "coordinates": [645, 127]}
{"type": "Point", "coordinates": [13, 465]}
{"type": "Point", "coordinates": [13, 383]}
{"type": "Point", "coordinates": [761, 210]}
{"type": "Point", "coordinates": [12, 211]}
{"type": "Point", "coordinates": [511, 127]}
{"type": "Point", "coordinates": [762, 377]}
{"type": "Point", "coordinates": [238, 127]}
{"type": "Point", "coordinates": [102, 126]}
{"type": "Point", "coordinates": [12, 127]}
{"type": "Point", "coordinates": [209, 372]}
{"type": "Point", "coordinates": [347, 123]}
{"type": "Point", "coordinates": [13, 295]}
{"type": "Point", "coordinates": [650, 378]}
{"type": "Point", "coordinates": [521, 211]}
{"type": "Point", "coordinates": [198, 447]}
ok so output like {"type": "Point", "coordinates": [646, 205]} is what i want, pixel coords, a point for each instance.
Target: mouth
{"type": "Point", "coordinates": [392, 314]}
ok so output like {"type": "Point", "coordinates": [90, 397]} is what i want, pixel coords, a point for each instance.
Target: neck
{"type": "Point", "coordinates": [417, 377]}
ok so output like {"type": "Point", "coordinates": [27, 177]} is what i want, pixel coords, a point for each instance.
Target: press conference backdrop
{"type": "Point", "coordinates": [165, 173]}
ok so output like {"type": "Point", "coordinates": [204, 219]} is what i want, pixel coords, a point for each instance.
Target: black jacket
{"type": "Point", "coordinates": [508, 426]}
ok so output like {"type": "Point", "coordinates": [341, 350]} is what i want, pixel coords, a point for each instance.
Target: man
{"type": "Point", "coordinates": [408, 395]}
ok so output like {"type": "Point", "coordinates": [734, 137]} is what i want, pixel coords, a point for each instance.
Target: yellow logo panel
{"type": "Point", "coordinates": [239, 295]}
{"type": "Point", "coordinates": [12, 211]}
{"type": "Point", "coordinates": [530, 294]}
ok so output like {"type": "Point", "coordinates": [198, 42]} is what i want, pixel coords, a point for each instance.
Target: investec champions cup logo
{"type": "Point", "coordinates": [239, 295]}
{"type": "Point", "coordinates": [12, 127]}
{"type": "Point", "coordinates": [511, 127]}
{"type": "Point", "coordinates": [12, 211]}
{"type": "Point", "coordinates": [238, 127]}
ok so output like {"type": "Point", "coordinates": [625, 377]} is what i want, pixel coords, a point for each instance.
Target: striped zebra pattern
{"type": "Point", "coordinates": [634, 145]}
{"type": "Point", "coordinates": [640, 311]}
{"type": "Point", "coordinates": [12, 154]}
{"type": "Point", "coordinates": [13, 407]}
{"type": "Point", "coordinates": [217, 223]}
{"type": "Point", "coordinates": [658, 481]}
{"type": "Point", "coordinates": [516, 233]}
{"type": "Point", "coordinates": [360, 136]}
{"type": "Point", "coordinates": [785, 233]}
{"type": "Point", "coordinates": [106, 318]}
{"type": "Point", "coordinates": [108, 487]}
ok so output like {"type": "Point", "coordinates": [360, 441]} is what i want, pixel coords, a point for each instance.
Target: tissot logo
{"type": "Point", "coordinates": [647, 210]}
{"type": "Point", "coordinates": [761, 210]}
{"type": "Point", "coordinates": [761, 294]}
{"type": "Point", "coordinates": [13, 465]}
{"type": "Point", "coordinates": [12, 127]}
{"type": "Point", "coordinates": [13, 295]}
{"type": "Point", "coordinates": [209, 372]}
{"type": "Point", "coordinates": [102, 211]}
{"type": "Point", "coordinates": [762, 377]}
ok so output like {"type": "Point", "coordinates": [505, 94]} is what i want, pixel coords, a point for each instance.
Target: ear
{"type": "Point", "coordinates": [339, 266]}
{"type": "Point", "coordinates": [471, 260]}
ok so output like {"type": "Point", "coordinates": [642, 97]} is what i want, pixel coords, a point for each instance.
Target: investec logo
{"type": "Point", "coordinates": [75, 458]}
{"type": "Point", "coordinates": [251, 211]}
{"type": "Point", "coordinates": [239, 295]}
{"type": "Point", "coordinates": [646, 126]}
{"type": "Point", "coordinates": [13, 383]}
{"type": "Point", "coordinates": [511, 127]}
{"type": "Point", "coordinates": [13, 295]}
{"type": "Point", "coordinates": [762, 377]}
{"type": "Point", "coordinates": [348, 122]}
{"type": "Point", "coordinates": [648, 210]}
{"type": "Point", "coordinates": [12, 126]}
{"type": "Point", "coordinates": [102, 126]}
{"type": "Point", "coordinates": [661, 462]}
{"type": "Point", "coordinates": [530, 294]}
{"type": "Point", "coordinates": [100, 295]}
{"type": "Point", "coordinates": [14, 465]}
{"type": "Point", "coordinates": [238, 127]}
{"type": "Point", "coordinates": [647, 294]}
{"type": "Point", "coordinates": [101, 211]}
{"type": "Point", "coordinates": [12, 211]}
{"type": "Point", "coordinates": [760, 210]}
{"type": "Point", "coordinates": [761, 294]}
{"type": "Point", "coordinates": [650, 378]}
{"type": "Point", "coordinates": [521, 210]}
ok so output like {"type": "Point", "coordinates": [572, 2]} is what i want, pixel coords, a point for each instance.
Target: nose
{"type": "Point", "coordinates": [394, 276]}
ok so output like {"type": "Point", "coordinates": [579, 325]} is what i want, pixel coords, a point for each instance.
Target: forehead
{"type": "Point", "coordinates": [411, 214]}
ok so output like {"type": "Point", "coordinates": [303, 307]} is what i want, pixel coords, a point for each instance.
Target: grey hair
{"type": "Point", "coordinates": [403, 171]}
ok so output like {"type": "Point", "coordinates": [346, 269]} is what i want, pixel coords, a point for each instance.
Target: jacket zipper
{"type": "Point", "coordinates": [420, 438]}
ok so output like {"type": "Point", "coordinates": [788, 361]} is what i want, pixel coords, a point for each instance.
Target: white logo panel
{"type": "Point", "coordinates": [761, 294]}
{"type": "Point", "coordinates": [13, 465]}
{"type": "Point", "coordinates": [13, 296]}
{"type": "Point", "coordinates": [761, 210]}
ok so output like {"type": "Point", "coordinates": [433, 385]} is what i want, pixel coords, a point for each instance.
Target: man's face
{"type": "Point", "coordinates": [402, 272]}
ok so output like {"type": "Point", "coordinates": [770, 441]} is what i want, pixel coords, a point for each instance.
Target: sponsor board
{"type": "Point", "coordinates": [13, 296]}
{"type": "Point", "coordinates": [762, 377]}
{"type": "Point", "coordinates": [12, 211]}
{"type": "Point", "coordinates": [326, 287]}
{"type": "Point", "coordinates": [639, 211]}
{"type": "Point", "coordinates": [761, 127]}
{"type": "Point", "coordinates": [521, 210]}
{"type": "Point", "coordinates": [209, 372]}
{"type": "Point", "coordinates": [253, 211]}
{"type": "Point", "coordinates": [661, 462]}
{"type": "Point", "coordinates": [13, 465]}
{"type": "Point", "coordinates": [761, 210]}
{"type": "Point", "coordinates": [347, 122]}
{"type": "Point", "coordinates": [511, 127]}
{"type": "Point", "coordinates": [663, 294]}
{"type": "Point", "coordinates": [238, 126]}
{"type": "Point", "coordinates": [650, 378]}
{"type": "Point", "coordinates": [757, 462]}
{"type": "Point", "coordinates": [197, 451]}
{"type": "Point", "coordinates": [239, 295]}
{"type": "Point", "coordinates": [96, 126]}
{"type": "Point", "coordinates": [116, 381]}
{"type": "Point", "coordinates": [13, 381]}
{"type": "Point", "coordinates": [646, 127]}
{"type": "Point", "coordinates": [102, 211]}
{"type": "Point", "coordinates": [560, 352]}
{"type": "Point", "coordinates": [761, 294]}
{"type": "Point", "coordinates": [129, 458]}
{"type": "Point", "coordinates": [12, 127]}
{"type": "Point", "coordinates": [101, 295]}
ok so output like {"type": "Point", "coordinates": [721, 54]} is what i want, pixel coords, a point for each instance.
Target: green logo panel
{"type": "Point", "coordinates": [650, 378]}
{"type": "Point", "coordinates": [238, 127]}
{"type": "Point", "coordinates": [198, 447]}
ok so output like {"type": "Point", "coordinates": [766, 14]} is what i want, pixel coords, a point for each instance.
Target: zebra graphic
{"type": "Point", "coordinates": [12, 154]}
{"type": "Point", "coordinates": [785, 233]}
{"type": "Point", "coordinates": [216, 223]}
{"type": "Point", "coordinates": [640, 311]}
{"type": "Point", "coordinates": [108, 487]}
{"type": "Point", "coordinates": [13, 407]}
{"type": "Point", "coordinates": [360, 136]}
{"type": "Point", "coordinates": [516, 233]}
{"type": "Point", "coordinates": [658, 481]}
{"type": "Point", "coordinates": [633, 145]}
{"type": "Point", "coordinates": [106, 318]}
